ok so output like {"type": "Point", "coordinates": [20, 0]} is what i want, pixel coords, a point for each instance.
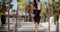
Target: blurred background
{"type": "Point", "coordinates": [16, 16]}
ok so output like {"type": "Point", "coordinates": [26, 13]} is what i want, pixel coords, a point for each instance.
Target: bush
{"type": "Point", "coordinates": [56, 17]}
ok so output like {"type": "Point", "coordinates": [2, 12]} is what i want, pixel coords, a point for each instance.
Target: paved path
{"type": "Point", "coordinates": [25, 26]}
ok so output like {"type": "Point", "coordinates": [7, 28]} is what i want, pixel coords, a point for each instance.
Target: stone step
{"type": "Point", "coordinates": [5, 27]}
{"type": "Point", "coordinates": [31, 24]}
{"type": "Point", "coordinates": [31, 29]}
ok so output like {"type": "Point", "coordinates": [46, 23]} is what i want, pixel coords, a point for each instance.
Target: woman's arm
{"type": "Point", "coordinates": [41, 6]}
{"type": "Point", "coordinates": [41, 14]}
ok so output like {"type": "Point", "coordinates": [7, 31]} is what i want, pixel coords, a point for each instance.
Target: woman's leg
{"type": "Point", "coordinates": [36, 27]}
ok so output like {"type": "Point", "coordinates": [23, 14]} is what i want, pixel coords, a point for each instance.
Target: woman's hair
{"type": "Point", "coordinates": [35, 4]}
{"type": "Point", "coordinates": [35, 0]}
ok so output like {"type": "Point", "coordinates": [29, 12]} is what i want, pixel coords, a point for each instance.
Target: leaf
{"type": "Point", "coordinates": [22, 5]}
{"type": "Point", "coordinates": [4, 0]}
{"type": "Point", "coordinates": [18, 0]}
{"type": "Point", "coordinates": [13, 10]}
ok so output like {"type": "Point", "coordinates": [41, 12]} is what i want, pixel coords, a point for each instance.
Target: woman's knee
{"type": "Point", "coordinates": [37, 23]}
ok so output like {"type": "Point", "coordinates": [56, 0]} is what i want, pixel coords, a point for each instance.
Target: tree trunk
{"type": "Point", "coordinates": [57, 26]}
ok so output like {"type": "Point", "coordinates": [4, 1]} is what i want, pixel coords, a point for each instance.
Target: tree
{"type": "Point", "coordinates": [4, 7]}
{"type": "Point", "coordinates": [29, 10]}
{"type": "Point", "coordinates": [13, 11]}
{"type": "Point", "coordinates": [56, 9]}
{"type": "Point", "coordinates": [21, 4]}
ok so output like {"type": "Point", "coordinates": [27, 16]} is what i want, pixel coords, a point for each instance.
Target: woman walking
{"type": "Point", "coordinates": [36, 8]}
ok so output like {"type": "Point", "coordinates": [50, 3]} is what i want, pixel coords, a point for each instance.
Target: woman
{"type": "Point", "coordinates": [36, 7]}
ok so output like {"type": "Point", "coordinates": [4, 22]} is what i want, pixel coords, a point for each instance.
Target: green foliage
{"type": "Point", "coordinates": [56, 17]}
{"type": "Point", "coordinates": [18, 0]}
{"type": "Point", "coordinates": [56, 7]}
{"type": "Point", "coordinates": [43, 7]}
{"type": "Point", "coordinates": [4, 3]}
{"type": "Point", "coordinates": [13, 10]}
{"type": "Point", "coordinates": [22, 5]}
{"type": "Point", "coordinates": [44, 14]}
{"type": "Point", "coordinates": [44, 4]}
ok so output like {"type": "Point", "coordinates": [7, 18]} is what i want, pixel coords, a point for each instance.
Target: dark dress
{"type": "Point", "coordinates": [36, 12]}
{"type": "Point", "coordinates": [37, 16]}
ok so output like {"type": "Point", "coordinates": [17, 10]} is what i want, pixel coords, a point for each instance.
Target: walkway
{"type": "Point", "coordinates": [26, 26]}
